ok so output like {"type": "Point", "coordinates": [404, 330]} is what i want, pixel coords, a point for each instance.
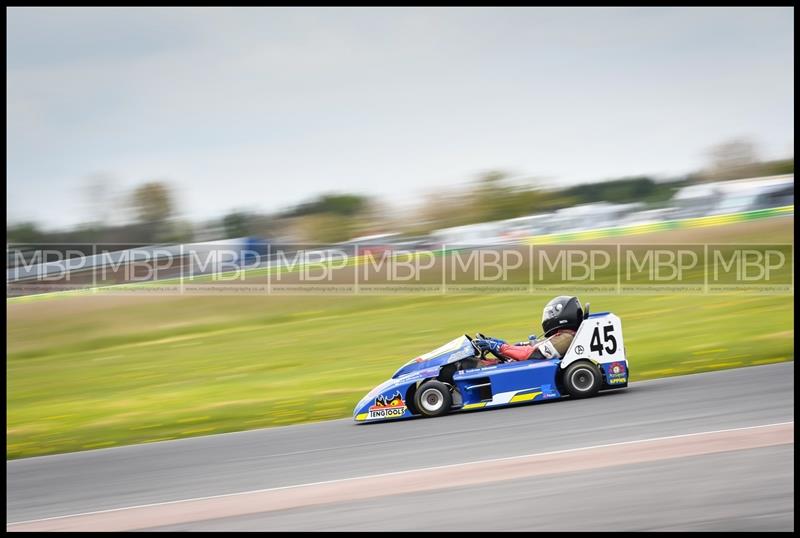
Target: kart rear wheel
{"type": "Point", "coordinates": [582, 379]}
{"type": "Point", "coordinates": [433, 399]}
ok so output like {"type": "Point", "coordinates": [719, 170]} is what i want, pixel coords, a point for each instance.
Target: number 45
{"type": "Point", "coordinates": [596, 345]}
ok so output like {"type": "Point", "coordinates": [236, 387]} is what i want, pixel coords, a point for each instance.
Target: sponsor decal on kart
{"type": "Point", "coordinates": [388, 407]}
{"type": "Point", "coordinates": [548, 392]}
{"type": "Point", "coordinates": [617, 373]}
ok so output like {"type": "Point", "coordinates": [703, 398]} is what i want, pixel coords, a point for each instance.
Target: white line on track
{"type": "Point", "coordinates": [395, 473]}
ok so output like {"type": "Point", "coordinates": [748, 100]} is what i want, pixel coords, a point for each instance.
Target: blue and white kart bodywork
{"type": "Point", "coordinates": [594, 361]}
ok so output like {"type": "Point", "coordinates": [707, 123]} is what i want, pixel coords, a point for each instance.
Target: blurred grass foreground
{"type": "Point", "coordinates": [99, 371]}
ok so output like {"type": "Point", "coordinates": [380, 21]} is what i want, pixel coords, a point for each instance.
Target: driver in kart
{"type": "Point", "coordinates": [560, 319]}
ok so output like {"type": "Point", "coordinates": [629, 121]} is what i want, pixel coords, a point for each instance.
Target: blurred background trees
{"type": "Point", "coordinates": [330, 218]}
{"type": "Point", "coordinates": [153, 206]}
{"type": "Point", "coordinates": [152, 202]}
{"type": "Point", "coordinates": [335, 217]}
{"type": "Point", "coordinates": [237, 224]}
{"type": "Point", "coordinates": [737, 159]}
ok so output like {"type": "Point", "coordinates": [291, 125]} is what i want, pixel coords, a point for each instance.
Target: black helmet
{"type": "Point", "coordinates": [563, 312]}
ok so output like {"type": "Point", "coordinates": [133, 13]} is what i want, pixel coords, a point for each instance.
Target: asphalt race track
{"type": "Point", "coordinates": [709, 451]}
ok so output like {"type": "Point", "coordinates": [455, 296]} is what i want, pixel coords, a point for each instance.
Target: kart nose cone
{"type": "Point", "coordinates": [361, 410]}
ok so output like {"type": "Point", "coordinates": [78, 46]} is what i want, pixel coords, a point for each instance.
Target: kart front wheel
{"type": "Point", "coordinates": [433, 399]}
{"type": "Point", "coordinates": [582, 379]}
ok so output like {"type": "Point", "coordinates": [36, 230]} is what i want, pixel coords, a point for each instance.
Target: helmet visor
{"type": "Point", "coordinates": [552, 311]}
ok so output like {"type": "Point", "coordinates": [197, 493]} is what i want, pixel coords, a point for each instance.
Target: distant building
{"type": "Point", "coordinates": [734, 196]}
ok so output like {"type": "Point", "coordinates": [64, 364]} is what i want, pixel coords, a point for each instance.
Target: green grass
{"type": "Point", "coordinates": [80, 389]}
{"type": "Point", "coordinates": [100, 371]}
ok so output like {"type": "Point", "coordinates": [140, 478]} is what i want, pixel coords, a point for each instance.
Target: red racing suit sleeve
{"type": "Point", "coordinates": [559, 343]}
{"type": "Point", "coordinates": [518, 353]}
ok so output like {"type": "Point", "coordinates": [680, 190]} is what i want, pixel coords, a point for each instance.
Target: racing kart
{"type": "Point", "coordinates": [451, 378]}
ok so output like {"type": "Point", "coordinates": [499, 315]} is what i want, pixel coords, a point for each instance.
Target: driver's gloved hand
{"type": "Point", "coordinates": [490, 344]}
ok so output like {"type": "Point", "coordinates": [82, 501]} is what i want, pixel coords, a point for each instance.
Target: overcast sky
{"type": "Point", "coordinates": [263, 108]}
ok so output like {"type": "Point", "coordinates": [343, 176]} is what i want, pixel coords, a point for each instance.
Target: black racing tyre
{"type": "Point", "coordinates": [433, 399]}
{"type": "Point", "coordinates": [582, 379]}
